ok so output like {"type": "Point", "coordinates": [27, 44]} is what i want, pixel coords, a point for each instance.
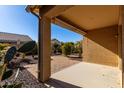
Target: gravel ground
{"type": "Point", "coordinates": [28, 75]}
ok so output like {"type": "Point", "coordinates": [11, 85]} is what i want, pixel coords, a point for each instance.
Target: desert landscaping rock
{"type": "Point", "coordinates": [28, 76]}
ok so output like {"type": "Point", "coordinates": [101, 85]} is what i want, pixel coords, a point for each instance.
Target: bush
{"type": "Point", "coordinates": [78, 48]}
{"type": "Point", "coordinates": [3, 46]}
{"type": "Point", "coordinates": [56, 46]}
{"type": "Point", "coordinates": [67, 48]}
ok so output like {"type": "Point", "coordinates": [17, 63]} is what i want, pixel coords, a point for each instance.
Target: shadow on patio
{"type": "Point", "coordinates": [60, 84]}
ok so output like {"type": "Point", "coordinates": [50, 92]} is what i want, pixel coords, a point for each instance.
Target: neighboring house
{"type": "Point", "coordinates": [13, 38]}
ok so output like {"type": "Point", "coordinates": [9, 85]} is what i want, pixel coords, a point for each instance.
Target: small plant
{"type": "Point", "coordinates": [2, 46]}
{"type": "Point", "coordinates": [15, 85]}
{"type": "Point", "coordinates": [5, 72]}
{"type": "Point", "coordinates": [6, 67]}
{"type": "Point", "coordinates": [23, 55]}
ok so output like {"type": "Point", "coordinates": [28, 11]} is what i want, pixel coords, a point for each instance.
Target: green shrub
{"type": "Point", "coordinates": [67, 48]}
{"type": "Point", "coordinates": [2, 46]}
{"type": "Point", "coordinates": [78, 48]}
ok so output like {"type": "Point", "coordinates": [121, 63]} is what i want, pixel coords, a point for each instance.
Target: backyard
{"type": "Point", "coordinates": [29, 74]}
{"type": "Point", "coordinates": [21, 60]}
{"type": "Point", "coordinates": [66, 73]}
{"type": "Point", "coordinates": [65, 52]}
{"type": "Point", "coordinates": [20, 66]}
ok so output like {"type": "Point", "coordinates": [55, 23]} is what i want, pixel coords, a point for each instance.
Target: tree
{"type": "Point", "coordinates": [78, 48]}
{"type": "Point", "coordinates": [56, 46]}
{"type": "Point", "coordinates": [67, 48]}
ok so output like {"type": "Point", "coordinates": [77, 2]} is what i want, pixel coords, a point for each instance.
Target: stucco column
{"type": "Point", "coordinates": [122, 41]}
{"type": "Point", "coordinates": [122, 22]}
{"type": "Point", "coordinates": [44, 49]}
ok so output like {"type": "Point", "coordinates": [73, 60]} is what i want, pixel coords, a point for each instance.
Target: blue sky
{"type": "Point", "coordinates": [14, 19]}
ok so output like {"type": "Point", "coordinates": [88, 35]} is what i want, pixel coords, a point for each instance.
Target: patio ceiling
{"type": "Point", "coordinates": [80, 18]}
{"type": "Point", "coordinates": [92, 17]}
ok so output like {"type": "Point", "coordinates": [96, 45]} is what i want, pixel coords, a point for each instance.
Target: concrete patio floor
{"type": "Point", "coordinates": [73, 73]}
{"type": "Point", "coordinates": [88, 75]}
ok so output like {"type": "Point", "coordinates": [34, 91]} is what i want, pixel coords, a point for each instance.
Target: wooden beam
{"type": "Point", "coordinates": [69, 25]}
{"type": "Point", "coordinates": [44, 67]}
{"type": "Point", "coordinates": [52, 11]}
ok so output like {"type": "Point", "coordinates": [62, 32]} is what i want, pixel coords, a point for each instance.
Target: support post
{"type": "Point", "coordinates": [44, 67]}
{"type": "Point", "coordinates": [122, 40]}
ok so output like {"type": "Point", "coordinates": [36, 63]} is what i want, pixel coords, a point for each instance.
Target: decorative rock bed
{"type": "Point", "coordinates": [26, 78]}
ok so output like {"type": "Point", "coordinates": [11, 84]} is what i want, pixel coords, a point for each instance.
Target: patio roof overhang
{"type": "Point", "coordinates": [78, 18]}
{"type": "Point", "coordinates": [83, 20]}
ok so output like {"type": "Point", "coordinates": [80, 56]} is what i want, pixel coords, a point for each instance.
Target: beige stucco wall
{"type": "Point", "coordinates": [120, 46]}
{"type": "Point", "coordinates": [101, 46]}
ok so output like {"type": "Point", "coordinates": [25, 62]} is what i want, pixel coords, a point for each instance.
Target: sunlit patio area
{"type": "Point", "coordinates": [89, 75]}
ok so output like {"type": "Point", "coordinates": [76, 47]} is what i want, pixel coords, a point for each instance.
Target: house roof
{"type": "Point", "coordinates": [9, 37]}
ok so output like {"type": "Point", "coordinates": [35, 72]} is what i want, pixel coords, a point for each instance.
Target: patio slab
{"type": "Point", "coordinates": [88, 75]}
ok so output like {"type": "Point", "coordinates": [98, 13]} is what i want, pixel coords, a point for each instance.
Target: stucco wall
{"type": "Point", "coordinates": [101, 46]}
{"type": "Point", "coordinates": [120, 47]}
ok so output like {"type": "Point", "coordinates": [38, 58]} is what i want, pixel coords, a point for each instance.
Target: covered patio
{"type": "Point", "coordinates": [88, 75]}
{"type": "Point", "coordinates": [102, 28]}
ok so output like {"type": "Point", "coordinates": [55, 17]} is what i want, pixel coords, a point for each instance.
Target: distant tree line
{"type": "Point", "coordinates": [66, 48]}
{"type": "Point", "coordinates": [57, 47]}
